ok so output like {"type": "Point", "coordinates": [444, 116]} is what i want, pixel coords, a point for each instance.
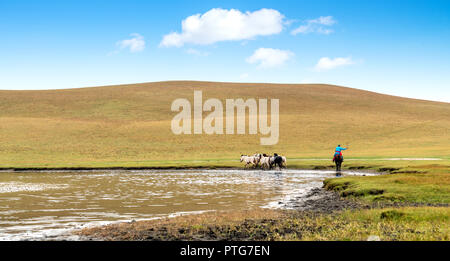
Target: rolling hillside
{"type": "Point", "coordinates": [129, 125]}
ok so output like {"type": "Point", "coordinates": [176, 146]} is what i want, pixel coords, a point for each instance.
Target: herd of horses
{"type": "Point", "coordinates": [264, 161]}
{"type": "Point", "coordinates": [268, 162]}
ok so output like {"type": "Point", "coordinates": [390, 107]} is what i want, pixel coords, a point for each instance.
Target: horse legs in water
{"type": "Point", "coordinates": [280, 165]}
{"type": "Point", "coordinates": [338, 161]}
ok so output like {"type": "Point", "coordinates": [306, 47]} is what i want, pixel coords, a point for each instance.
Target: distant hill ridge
{"type": "Point", "coordinates": [123, 124]}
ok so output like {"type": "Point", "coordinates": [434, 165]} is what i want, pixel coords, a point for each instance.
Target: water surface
{"type": "Point", "coordinates": [36, 205]}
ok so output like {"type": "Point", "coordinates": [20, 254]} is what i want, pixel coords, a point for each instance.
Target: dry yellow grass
{"type": "Point", "coordinates": [129, 125]}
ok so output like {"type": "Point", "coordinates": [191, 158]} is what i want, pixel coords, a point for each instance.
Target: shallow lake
{"type": "Point", "coordinates": [37, 205]}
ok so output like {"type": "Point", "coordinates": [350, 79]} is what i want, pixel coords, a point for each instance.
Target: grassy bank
{"type": "Point", "coordinates": [416, 183]}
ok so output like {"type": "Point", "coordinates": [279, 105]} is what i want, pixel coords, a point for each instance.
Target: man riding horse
{"type": "Point", "coordinates": [338, 158]}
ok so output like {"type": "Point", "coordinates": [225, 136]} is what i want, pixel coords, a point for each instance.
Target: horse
{"type": "Point", "coordinates": [249, 160]}
{"type": "Point", "coordinates": [338, 159]}
{"type": "Point", "coordinates": [265, 162]}
{"type": "Point", "coordinates": [284, 162]}
{"type": "Point", "coordinates": [276, 160]}
{"type": "Point", "coordinates": [257, 159]}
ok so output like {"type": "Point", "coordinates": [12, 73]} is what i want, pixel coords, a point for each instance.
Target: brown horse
{"type": "Point", "coordinates": [338, 159]}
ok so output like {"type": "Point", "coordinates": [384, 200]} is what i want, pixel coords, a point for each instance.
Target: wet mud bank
{"type": "Point", "coordinates": [319, 200]}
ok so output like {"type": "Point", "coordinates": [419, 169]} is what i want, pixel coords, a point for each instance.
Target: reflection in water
{"type": "Point", "coordinates": [36, 204]}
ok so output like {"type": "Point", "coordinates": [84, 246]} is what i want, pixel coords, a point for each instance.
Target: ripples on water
{"type": "Point", "coordinates": [34, 205]}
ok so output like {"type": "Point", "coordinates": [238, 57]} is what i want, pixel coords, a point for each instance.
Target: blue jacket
{"type": "Point", "coordinates": [338, 149]}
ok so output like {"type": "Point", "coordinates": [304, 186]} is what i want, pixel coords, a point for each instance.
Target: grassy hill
{"type": "Point", "coordinates": [129, 125]}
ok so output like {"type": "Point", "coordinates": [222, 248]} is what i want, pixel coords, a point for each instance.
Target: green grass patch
{"type": "Point", "coordinates": [408, 223]}
{"type": "Point", "coordinates": [430, 185]}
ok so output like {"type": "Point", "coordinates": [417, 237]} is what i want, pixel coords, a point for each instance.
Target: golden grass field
{"type": "Point", "coordinates": [129, 125]}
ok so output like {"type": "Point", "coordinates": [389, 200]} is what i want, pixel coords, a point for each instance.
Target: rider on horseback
{"type": "Point", "coordinates": [338, 152]}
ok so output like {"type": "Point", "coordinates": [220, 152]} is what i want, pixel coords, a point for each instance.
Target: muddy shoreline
{"type": "Point", "coordinates": [319, 200]}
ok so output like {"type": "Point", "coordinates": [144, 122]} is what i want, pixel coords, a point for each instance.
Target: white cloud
{"type": "Point", "coordinates": [326, 63]}
{"type": "Point", "coordinates": [135, 44]}
{"type": "Point", "coordinates": [225, 25]}
{"type": "Point", "coordinates": [197, 52]}
{"type": "Point", "coordinates": [323, 20]}
{"type": "Point", "coordinates": [268, 57]}
{"type": "Point", "coordinates": [316, 26]}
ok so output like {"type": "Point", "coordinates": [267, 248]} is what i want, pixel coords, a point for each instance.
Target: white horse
{"type": "Point", "coordinates": [284, 161]}
{"type": "Point", "coordinates": [249, 160]}
{"type": "Point", "coordinates": [265, 162]}
{"type": "Point", "coordinates": [257, 159]}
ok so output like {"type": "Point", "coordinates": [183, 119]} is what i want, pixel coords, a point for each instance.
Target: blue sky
{"type": "Point", "coordinates": [395, 47]}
